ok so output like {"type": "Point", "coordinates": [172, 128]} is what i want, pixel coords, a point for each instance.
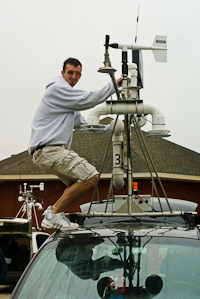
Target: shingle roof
{"type": "Point", "coordinates": [168, 157]}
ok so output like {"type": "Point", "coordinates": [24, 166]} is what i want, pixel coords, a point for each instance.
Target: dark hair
{"type": "Point", "coordinates": [72, 61]}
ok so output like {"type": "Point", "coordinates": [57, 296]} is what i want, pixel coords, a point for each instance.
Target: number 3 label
{"type": "Point", "coordinates": [118, 159]}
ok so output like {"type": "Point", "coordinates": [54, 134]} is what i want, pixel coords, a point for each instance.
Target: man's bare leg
{"type": "Point", "coordinates": [73, 193]}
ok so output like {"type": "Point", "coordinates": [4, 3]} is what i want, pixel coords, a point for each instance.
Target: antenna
{"type": "Point", "coordinates": [137, 57]}
{"type": "Point", "coordinates": [137, 23]}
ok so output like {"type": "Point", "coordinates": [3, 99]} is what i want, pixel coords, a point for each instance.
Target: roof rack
{"type": "Point", "coordinates": [144, 214]}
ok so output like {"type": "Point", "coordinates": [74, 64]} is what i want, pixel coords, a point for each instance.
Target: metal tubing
{"type": "Point", "coordinates": [147, 214]}
{"type": "Point", "coordinates": [129, 169]}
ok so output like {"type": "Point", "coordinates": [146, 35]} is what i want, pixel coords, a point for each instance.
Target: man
{"type": "Point", "coordinates": [52, 129]}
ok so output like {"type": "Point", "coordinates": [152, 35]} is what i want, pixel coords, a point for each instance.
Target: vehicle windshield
{"type": "Point", "coordinates": [114, 267]}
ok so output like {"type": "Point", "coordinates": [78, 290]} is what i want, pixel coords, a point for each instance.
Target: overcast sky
{"type": "Point", "coordinates": [38, 35]}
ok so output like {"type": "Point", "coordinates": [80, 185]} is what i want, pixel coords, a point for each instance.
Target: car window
{"type": "Point", "coordinates": [125, 266]}
{"type": "Point", "coordinates": [16, 250]}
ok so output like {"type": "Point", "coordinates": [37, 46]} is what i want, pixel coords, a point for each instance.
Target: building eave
{"type": "Point", "coordinates": [162, 175]}
{"type": "Point", "coordinates": [104, 176]}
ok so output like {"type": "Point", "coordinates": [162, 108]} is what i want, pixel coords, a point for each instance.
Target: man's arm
{"type": "Point", "coordinates": [77, 100]}
{"type": "Point", "coordinates": [79, 120]}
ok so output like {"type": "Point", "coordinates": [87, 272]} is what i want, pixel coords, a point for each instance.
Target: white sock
{"type": "Point", "coordinates": [50, 215]}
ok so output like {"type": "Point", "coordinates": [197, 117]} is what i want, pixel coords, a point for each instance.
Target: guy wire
{"type": "Point", "coordinates": [102, 164]}
{"type": "Point", "coordinates": [152, 163]}
{"type": "Point", "coordinates": [138, 133]}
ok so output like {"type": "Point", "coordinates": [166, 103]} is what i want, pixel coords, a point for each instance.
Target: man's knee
{"type": "Point", "coordinates": [94, 180]}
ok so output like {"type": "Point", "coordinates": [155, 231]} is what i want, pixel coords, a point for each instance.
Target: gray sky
{"type": "Point", "coordinates": [38, 35]}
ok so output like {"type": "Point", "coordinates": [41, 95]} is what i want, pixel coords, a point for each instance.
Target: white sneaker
{"type": "Point", "coordinates": [48, 210]}
{"type": "Point", "coordinates": [59, 221]}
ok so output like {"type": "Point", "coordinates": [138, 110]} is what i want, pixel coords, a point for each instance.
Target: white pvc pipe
{"type": "Point", "coordinates": [116, 107]}
{"type": "Point", "coordinates": [117, 142]}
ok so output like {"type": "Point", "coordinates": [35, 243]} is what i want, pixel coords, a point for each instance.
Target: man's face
{"type": "Point", "coordinates": [72, 74]}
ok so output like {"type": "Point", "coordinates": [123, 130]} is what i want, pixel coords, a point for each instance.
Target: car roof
{"type": "Point", "coordinates": [14, 226]}
{"type": "Point", "coordinates": [13, 220]}
{"type": "Point", "coordinates": [125, 227]}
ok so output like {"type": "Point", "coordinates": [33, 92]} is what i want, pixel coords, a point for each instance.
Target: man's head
{"type": "Point", "coordinates": [72, 70]}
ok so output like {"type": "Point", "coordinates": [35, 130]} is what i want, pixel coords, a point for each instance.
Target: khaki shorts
{"type": "Point", "coordinates": [65, 164]}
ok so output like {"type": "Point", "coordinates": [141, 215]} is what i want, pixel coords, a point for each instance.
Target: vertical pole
{"type": "Point", "coordinates": [127, 127]}
{"type": "Point", "coordinates": [125, 71]}
{"type": "Point", "coordinates": [129, 168]}
{"type": "Point", "coordinates": [106, 55]}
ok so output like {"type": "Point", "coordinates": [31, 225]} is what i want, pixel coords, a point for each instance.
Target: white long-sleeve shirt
{"type": "Point", "coordinates": [59, 112]}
